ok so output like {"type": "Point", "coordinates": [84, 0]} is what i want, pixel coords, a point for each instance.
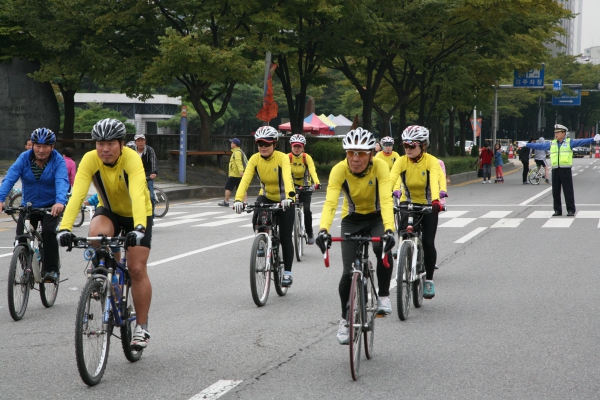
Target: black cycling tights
{"type": "Point", "coordinates": [286, 226]}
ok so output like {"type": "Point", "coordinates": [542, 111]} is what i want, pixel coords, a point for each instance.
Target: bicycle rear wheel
{"type": "Point", "coordinates": [79, 219]}
{"type": "Point", "coordinates": [48, 293]}
{"type": "Point", "coordinates": [371, 306]}
{"type": "Point", "coordinates": [162, 203]}
{"type": "Point", "coordinates": [278, 270]}
{"type": "Point", "coordinates": [417, 285]}
{"type": "Point", "coordinates": [297, 237]}
{"type": "Point", "coordinates": [534, 177]}
{"type": "Point", "coordinates": [260, 271]}
{"type": "Point", "coordinates": [403, 271]}
{"type": "Point", "coordinates": [19, 277]}
{"type": "Point", "coordinates": [355, 322]}
{"type": "Point", "coordinates": [92, 342]}
{"type": "Point", "coordinates": [15, 201]}
{"type": "Point", "coordinates": [129, 318]}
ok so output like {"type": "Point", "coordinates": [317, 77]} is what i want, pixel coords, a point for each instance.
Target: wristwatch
{"type": "Point", "coordinates": [140, 228]}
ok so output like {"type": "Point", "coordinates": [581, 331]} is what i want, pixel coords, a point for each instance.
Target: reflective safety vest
{"type": "Point", "coordinates": [561, 156]}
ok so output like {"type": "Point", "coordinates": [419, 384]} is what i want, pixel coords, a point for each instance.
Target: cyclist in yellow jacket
{"type": "Point", "coordinates": [275, 175]}
{"type": "Point", "coordinates": [367, 207]}
{"type": "Point", "coordinates": [420, 175]}
{"type": "Point", "coordinates": [304, 173]}
{"type": "Point", "coordinates": [388, 154]}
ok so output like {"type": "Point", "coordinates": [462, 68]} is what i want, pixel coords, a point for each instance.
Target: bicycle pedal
{"type": "Point", "coordinates": [380, 315]}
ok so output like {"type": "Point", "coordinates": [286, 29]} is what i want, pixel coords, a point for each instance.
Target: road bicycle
{"type": "Point", "coordinates": [410, 270]}
{"type": "Point", "coordinates": [161, 205]}
{"type": "Point", "coordinates": [362, 303]}
{"type": "Point", "coordinates": [26, 265]}
{"type": "Point", "coordinates": [266, 259]}
{"type": "Point", "coordinates": [105, 303]}
{"type": "Point", "coordinates": [536, 176]}
{"type": "Point", "coordinates": [300, 236]}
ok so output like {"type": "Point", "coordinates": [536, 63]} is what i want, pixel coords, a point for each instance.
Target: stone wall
{"type": "Point", "coordinates": [24, 106]}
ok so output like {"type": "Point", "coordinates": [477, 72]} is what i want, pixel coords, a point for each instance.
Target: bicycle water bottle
{"type": "Point", "coordinates": [116, 286]}
{"type": "Point", "coordinates": [38, 257]}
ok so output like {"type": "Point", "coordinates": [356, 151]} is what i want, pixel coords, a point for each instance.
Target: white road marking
{"type": "Point", "coordinates": [558, 223]}
{"type": "Point", "coordinates": [470, 235]}
{"type": "Point", "coordinates": [457, 223]}
{"type": "Point", "coordinates": [216, 390]}
{"type": "Point", "coordinates": [177, 222]}
{"type": "Point", "coordinates": [190, 253]}
{"type": "Point", "coordinates": [529, 200]}
{"type": "Point", "coordinates": [170, 214]}
{"type": "Point", "coordinates": [6, 254]}
{"type": "Point", "coordinates": [508, 223]}
{"type": "Point", "coordinates": [588, 214]}
{"type": "Point", "coordinates": [204, 214]}
{"type": "Point", "coordinates": [451, 214]}
{"type": "Point", "coordinates": [496, 214]}
{"type": "Point", "coordinates": [541, 214]}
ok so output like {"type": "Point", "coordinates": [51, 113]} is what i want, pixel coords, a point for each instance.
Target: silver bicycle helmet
{"type": "Point", "coordinates": [266, 133]}
{"type": "Point", "coordinates": [416, 133]}
{"type": "Point", "coordinates": [298, 139]}
{"type": "Point", "coordinates": [43, 136]}
{"type": "Point", "coordinates": [387, 140]}
{"type": "Point", "coordinates": [359, 139]}
{"type": "Point", "coordinates": [108, 129]}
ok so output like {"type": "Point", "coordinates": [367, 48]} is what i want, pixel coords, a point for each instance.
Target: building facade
{"type": "Point", "coordinates": [572, 27]}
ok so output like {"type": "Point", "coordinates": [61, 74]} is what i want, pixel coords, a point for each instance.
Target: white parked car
{"type": "Point", "coordinates": [468, 145]}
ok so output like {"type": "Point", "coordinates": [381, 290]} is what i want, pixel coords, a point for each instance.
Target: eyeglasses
{"type": "Point", "coordinates": [264, 144]}
{"type": "Point", "coordinates": [410, 144]}
{"type": "Point", "coordinates": [361, 154]}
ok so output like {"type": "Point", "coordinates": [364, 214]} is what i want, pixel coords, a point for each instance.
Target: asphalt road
{"type": "Point", "coordinates": [514, 316]}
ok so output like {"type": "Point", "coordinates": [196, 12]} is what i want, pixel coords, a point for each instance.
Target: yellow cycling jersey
{"type": "Point", "coordinates": [390, 159]}
{"type": "Point", "coordinates": [420, 180]}
{"type": "Point", "coordinates": [274, 173]}
{"type": "Point", "coordinates": [121, 188]}
{"type": "Point", "coordinates": [304, 172]}
{"type": "Point", "coordinates": [368, 194]}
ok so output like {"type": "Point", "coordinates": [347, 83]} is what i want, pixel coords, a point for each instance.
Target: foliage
{"type": "Point", "coordinates": [475, 151]}
{"type": "Point", "coordinates": [86, 118]}
{"type": "Point", "coordinates": [325, 151]}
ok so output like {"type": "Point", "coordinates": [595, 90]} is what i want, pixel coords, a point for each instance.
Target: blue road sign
{"type": "Point", "coordinates": [557, 84]}
{"type": "Point", "coordinates": [534, 78]}
{"type": "Point", "coordinates": [566, 100]}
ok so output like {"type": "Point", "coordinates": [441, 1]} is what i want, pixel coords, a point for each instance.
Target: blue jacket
{"type": "Point", "coordinates": [498, 159]}
{"type": "Point", "coordinates": [546, 145]}
{"type": "Point", "coordinates": [52, 187]}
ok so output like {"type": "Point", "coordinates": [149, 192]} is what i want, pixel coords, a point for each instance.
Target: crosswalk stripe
{"type": "Point", "coordinates": [177, 222]}
{"type": "Point", "coordinates": [204, 214]}
{"type": "Point", "coordinates": [496, 214]}
{"type": "Point", "coordinates": [219, 223]}
{"type": "Point", "coordinates": [457, 223]}
{"type": "Point", "coordinates": [588, 214]}
{"type": "Point", "coordinates": [451, 214]}
{"type": "Point", "coordinates": [541, 214]}
{"type": "Point", "coordinates": [558, 223]}
{"type": "Point", "coordinates": [508, 223]}
{"type": "Point", "coordinates": [470, 235]}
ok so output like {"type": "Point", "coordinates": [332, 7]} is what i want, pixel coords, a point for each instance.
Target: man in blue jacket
{"type": "Point", "coordinates": [561, 158]}
{"type": "Point", "coordinates": [45, 182]}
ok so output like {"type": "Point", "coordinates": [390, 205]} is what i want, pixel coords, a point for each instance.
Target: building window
{"type": "Point", "coordinates": [151, 128]}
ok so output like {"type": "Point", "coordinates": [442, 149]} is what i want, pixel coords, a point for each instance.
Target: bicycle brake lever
{"type": "Point", "coordinates": [326, 258]}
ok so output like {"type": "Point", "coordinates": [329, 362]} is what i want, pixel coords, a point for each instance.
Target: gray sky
{"type": "Point", "coordinates": [590, 24]}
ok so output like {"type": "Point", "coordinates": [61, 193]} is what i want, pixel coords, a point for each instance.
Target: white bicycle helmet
{"type": "Point", "coordinates": [298, 139]}
{"type": "Point", "coordinates": [108, 129]}
{"type": "Point", "coordinates": [266, 133]}
{"type": "Point", "coordinates": [416, 133]}
{"type": "Point", "coordinates": [359, 139]}
{"type": "Point", "coordinates": [387, 140]}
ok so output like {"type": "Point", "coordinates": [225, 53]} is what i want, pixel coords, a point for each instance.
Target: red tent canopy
{"type": "Point", "coordinates": [322, 128]}
{"type": "Point", "coordinates": [305, 128]}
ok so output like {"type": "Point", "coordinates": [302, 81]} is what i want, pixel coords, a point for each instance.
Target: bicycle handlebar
{"type": "Point", "coordinates": [422, 209]}
{"type": "Point", "coordinates": [357, 239]}
{"type": "Point", "coordinates": [83, 242]}
{"type": "Point", "coordinates": [27, 209]}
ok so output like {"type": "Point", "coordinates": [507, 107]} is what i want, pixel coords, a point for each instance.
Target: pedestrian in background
{"type": "Point", "coordinates": [377, 147]}
{"type": "Point", "coordinates": [149, 161]}
{"type": "Point", "coordinates": [67, 154]}
{"type": "Point", "coordinates": [498, 163]}
{"type": "Point", "coordinates": [485, 159]}
{"type": "Point", "coordinates": [540, 159]}
{"type": "Point", "coordinates": [524, 154]}
{"type": "Point", "coordinates": [561, 158]}
{"type": "Point", "coordinates": [237, 165]}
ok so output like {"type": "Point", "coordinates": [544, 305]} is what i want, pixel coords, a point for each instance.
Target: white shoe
{"type": "Point", "coordinates": [384, 306]}
{"type": "Point", "coordinates": [343, 334]}
{"type": "Point", "coordinates": [140, 338]}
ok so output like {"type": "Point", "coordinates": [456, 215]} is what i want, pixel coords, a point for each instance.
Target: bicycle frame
{"type": "Point", "coordinates": [273, 228]}
{"type": "Point", "coordinates": [28, 234]}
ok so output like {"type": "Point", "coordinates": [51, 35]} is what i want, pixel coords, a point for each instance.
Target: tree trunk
{"type": "Point", "coordinates": [463, 118]}
{"type": "Point", "coordinates": [451, 140]}
{"type": "Point", "coordinates": [69, 122]}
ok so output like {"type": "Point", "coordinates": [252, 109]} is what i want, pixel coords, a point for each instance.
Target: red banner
{"type": "Point", "coordinates": [269, 108]}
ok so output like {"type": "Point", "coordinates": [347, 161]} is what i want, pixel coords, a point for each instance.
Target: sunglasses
{"type": "Point", "coordinates": [388, 145]}
{"type": "Point", "coordinates": [361, 154]}
{"type": "Point", "coordinates": [297, 145]}
{"type": "Point", "coordinates": [264, 144]}
{"type": "Point", "coordinates": [410, 144]}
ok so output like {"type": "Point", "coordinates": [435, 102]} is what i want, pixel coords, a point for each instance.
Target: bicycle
{"type": "Point", "coordinates": [362, 303]}
{"type": "Point", "coordinates": [105, 303]}
{"type": "Point", "coordinates": [300, 236]}
{"type": "Point", "coordinates": [26, 266]}
{"type": "Point", "coordinates": [161, 204]}
{"type": "Point", "coordinates": [410, 270]}
{"type": "Point", "coordinates": [265, 256]}
{"type": "Point", "coordinates": [536, 176]}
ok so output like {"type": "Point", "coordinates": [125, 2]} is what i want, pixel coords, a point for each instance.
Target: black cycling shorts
{"type": "Point", "coordinates": [540, 163]}
{"type": "Point", "coordinates": [126, 224]}
{"type": "Point", "coordinates": [232, 183]}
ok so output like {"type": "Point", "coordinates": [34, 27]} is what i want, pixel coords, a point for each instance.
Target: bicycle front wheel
{"type": "Point", "coordinates": [129, 318]}
{"type": "Point", "coordinates": [298, 236]}
{"type": "Point", "coordinates": [15, 201]}
{"type": "Point", "coordinates": [162, 203]}
{"type": "Point", "coordinates": [371, 307]}
{"type": "Point", "coordinates": [48, 293]}
{"type": "Point", "coordinates": [91, 340]}
{"type": "Point", "coordinates": [417, 285]}
{"type": "Point", "coordinates": [403, 280]}
{"type": "Point", "coordinates": [534, 177]}
{"type": "Point", "coordinates": [278, 270]}
{"type": "Point", "coordinates": [19, 276]}
{"type": "Point", "coordinates": [354, 318]}
{"type": "Point", "coordinates": [260, 271]}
